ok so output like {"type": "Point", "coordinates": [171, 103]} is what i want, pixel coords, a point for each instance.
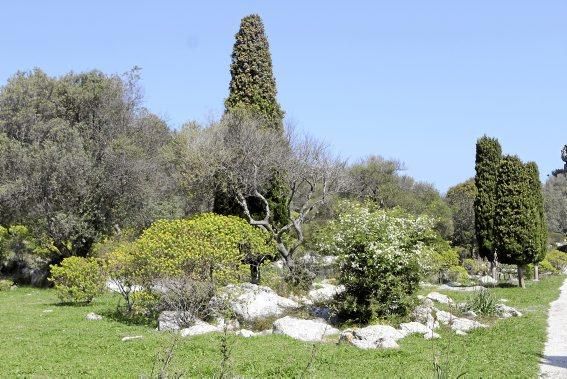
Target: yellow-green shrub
{"type": "Point", "coordinates": [457, 274]}
{"type": "Point", "coordinates": [205, 247]}
{"type": "Point", "coordinates": [78, 279]}
{"type": "Point", "coordinates": [557, 259]}
{"type": "Point", "coordinates": [475, 266]}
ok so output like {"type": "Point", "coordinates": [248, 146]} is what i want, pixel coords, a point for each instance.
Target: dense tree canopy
{"type": "Point", "coordinates": [461, 200]}
{"type": "Point", "coordinates": [80, 158]}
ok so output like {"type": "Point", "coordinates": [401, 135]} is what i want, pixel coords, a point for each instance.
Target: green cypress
{"type": "Point", "coordinates": [488, 155]}
{"type": "Point", "coordinates": [537, 211]}
{"type": "Point", "coordinates": [252, 85]}
{"type": "Point", "coordinates": [514, 227]}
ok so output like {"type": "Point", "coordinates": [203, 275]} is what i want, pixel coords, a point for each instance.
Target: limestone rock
{"type": "Point", "coordinates": [303, 330]}
{"type": "Point", "coordinates": [505, 311]}
{"type": "Point", "coordinates": [440, 298]}
{"type": "Point", "coordinates": [200, 327]}
{"type": "Point", "coordinates": [245, 333]}
{"type": "Point", "coordinates": [174, 320]}
{"type": "Point", "coordinates": [93, 317]}
{"type": "Point", "coordinates": [251, 302]}
{"type": "Point", "coordinates": [487, 281]}
{"type": "Point", "coordinates": [326, 292]}
{"type": "Point", "coordinates": [130, 338]}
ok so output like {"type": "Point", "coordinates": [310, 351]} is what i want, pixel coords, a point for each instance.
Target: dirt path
{"type": "Point", "coordinates": [554, 361]}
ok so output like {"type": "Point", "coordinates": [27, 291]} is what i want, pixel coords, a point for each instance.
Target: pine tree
{"type": "Point", "coordinates": [488, 156]}
{"type": "Point", "coordinates": [252, 85]}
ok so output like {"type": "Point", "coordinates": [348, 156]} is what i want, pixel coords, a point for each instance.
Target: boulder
{"type": "Point", "coordinates": [444, 317]}
{"type": "Point", "coordinates": [199, 327]}
{"type": "Point", "coordinates": [245, 333]}
{"type": "Point", "coordinates": [352, 338]}
{"type": "Point", "coordinates": [231, 325]}
{"type": "Point", "coordinates": [116, 285]}
{"type": "Point", "coordinates": [303, 330]}
{"type": "Point", "coordinates": [325, 293]}
{"type": "Point", "coordinates": [378, 333]}
{"type": "Point", "coordinates": [460, 333]}
{"type": "Point", "coordinates": [174, 320]}
{"type": "Point", "coordinates": [431, 335]}
{"type": "Point", "coordinates": [424, 315]}
{"type": "Point", "coordinates": [251, 302]}
{"type": "Point", "coordinates": [470, 313]}
{"type": "Point", "coordinates": [414, 328]}
{"type": "Point", "coordinates": [93, 317]}
{"type": "Point", "coordinates": [465, 325]}
{"type": "Point", "coordinates": [440, 298]}
{"type": "Point", "coordinates": [487, 281]}
{"type": "Point", "coordinates": [505, 311]}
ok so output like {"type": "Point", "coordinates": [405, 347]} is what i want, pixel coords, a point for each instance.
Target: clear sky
{"type": "Point", "coordinates": [419, 80]}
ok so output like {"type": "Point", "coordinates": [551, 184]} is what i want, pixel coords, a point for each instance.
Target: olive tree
{"type": "Point", "coordinates": [247, 157]}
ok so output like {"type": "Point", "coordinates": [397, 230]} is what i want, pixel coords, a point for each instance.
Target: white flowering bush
{"type": "Point", "coordinates": [382, 256]}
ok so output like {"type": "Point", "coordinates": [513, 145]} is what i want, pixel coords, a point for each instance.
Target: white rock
{"type": "Point", "coordinates": [303, 330]}
{"type": "Point", "coordinates": [325, 293]}
{"type": "Point", "coordinates": [350, 336]}
{"type": "Point", "coordinates": [174, 320]}
{"type": "Point", "coordinates": [251, 302]}
{"type": "Point", "coordinates": [130, 338]}
{"type": "Point", "coordinates": [93, 317]}
{"type": "Point", "coordinates": [246, 333]}
{"type": "Point", "coordinates": [266, 332]}
{"type": "Point", "coordinates": [115, 285]}
{"type": "Point", "coordinates": [460, 333]}
{"type": "Point", "coordinates": [49, 311]}
{"type": "Point", "coordinates": [414, 328]}
{"type": "Point", "coordinates": [431, 335]}
{"type": "Point", "coordinates": [470, 313]}
{"type": "Point", "coordinates": [440, 298]}
{"type": "Point", "coordinates": [506, 311]}
{"type": "Point", "coordinates": [200, 327]}
{"type": "Point", "coordinates": [466, 325]}
{"type": "Point", "coordinates": [444, 317]}
{"type": "Point", "coordinates": [377, 333]}
{"type": "Point", "coordinates": [231, 326]}
{"type": "Point", "coordinates": [488, 281]}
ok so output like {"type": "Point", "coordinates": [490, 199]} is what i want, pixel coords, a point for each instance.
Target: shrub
{"type": "Point", "coordinates": [482, 302]}
{"type": "Point", "coordinates": [206, 248]}
{"type": "Point", "coordinates": [457, 274]}
{"type": "Point", "coordinates": [545, 267]}
{"type": "Point", "coordinates": [78, 279]}
{"type": "Point", "coordinates": [382, 255]}
{"type": "Point", "coordinates": [475, 266]}
{"type": "Point", "coordinates": [557, 259]}
{"type": "Point", "coordinates": [443, 258]}
{"type": "Point", "coordinates": [5, 285]}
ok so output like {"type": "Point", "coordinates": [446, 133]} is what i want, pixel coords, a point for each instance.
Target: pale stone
{"type": "Point", "coordinates": [93, 317]}
{"type": "Point", "coordinates": [303, 330]}
{"type": "Point", "coordinates": [440, 298]}
{"type": "Point", "coordinates": [200, 327]}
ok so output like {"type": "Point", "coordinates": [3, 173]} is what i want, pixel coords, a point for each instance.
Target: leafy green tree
{"type": "Point", "coordinates": [252, 85]}
{"type": "Point", "coordinates": [516, 231]}
{"type": "Point", "coordinates": [488, 156]}
{"type": "Point", "coordinates": [555, 199]}
{"type": "Point", "coordinates": [80, 158]}
{"type": "Point", "coordinates": [461, 200]}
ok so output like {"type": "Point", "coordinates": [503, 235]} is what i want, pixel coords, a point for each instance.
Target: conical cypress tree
{"type": "Point", "coordinates": [252, 93]}
{"type": "Point", "coordinates": [514, 236]}
{"type": "Point", "coordinates": [538, 245]}
{"type": "Point", "coordinates": [252, 84]}
{"type": "Point", "coordinates": [488, 155]}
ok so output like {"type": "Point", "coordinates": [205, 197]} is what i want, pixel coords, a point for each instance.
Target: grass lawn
{"type": "Point", "coordinates": [61, 343]}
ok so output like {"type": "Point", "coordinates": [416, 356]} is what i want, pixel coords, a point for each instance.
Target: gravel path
{"type": "Point", "coordinates": [554, 361]}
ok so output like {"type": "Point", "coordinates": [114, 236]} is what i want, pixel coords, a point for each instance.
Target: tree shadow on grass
{"type": "Point", "coordinates": [506, 285]}
{"type": "Point", "coordinates": [120, 315]}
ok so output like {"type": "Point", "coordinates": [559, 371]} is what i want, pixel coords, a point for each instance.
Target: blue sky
{"type": "Point", "coordinates": [419, 80]}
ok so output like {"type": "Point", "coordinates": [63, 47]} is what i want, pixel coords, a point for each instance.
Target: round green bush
{"type": "Point", "coordinates": [457, 274]}
{"type": "Point", "coordinates": [557, 259]}
{"type": "Point", "coordinates": [78, 279]}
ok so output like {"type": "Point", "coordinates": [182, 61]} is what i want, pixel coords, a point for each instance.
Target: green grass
{"type": "Point", "coordinates": [62, 343]}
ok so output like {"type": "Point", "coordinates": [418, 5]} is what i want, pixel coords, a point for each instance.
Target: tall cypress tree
{"type": "Point", "coordinates": [488, 156]}
{"type": "Point", "coordinates": [539, 226]}
{"type": "Point", "coordinates": [515, 230]}
{"type": "Point", "coordinates": [252, 93]}
{"type": "Point", "coordinates": [252, 84]}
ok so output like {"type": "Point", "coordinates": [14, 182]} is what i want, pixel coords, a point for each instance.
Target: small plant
{"type": "Point", "coordinates": [5, 285]}
{"type": "Point", "coordinates": [458, 274]}
{"type": "Point", "coordinates": [78, 279]}
{"type": "Point", "coordinates": [482, 302]}
{"type": "Point", "coordinates": [557, 259]}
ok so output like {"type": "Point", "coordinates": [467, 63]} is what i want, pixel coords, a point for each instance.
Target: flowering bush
{"type": "Point", "coordinates": [382, 255]}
